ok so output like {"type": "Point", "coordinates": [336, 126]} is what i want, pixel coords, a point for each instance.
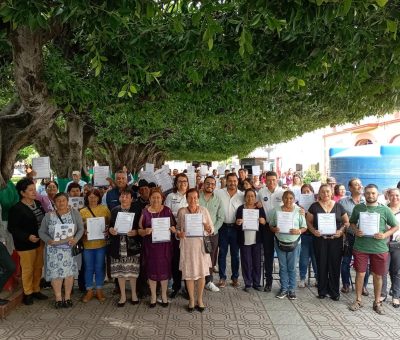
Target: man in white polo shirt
{"type": "Point", "coordinates": [270, 197]}
{"type": "Point", "coordinates": [231, 199]}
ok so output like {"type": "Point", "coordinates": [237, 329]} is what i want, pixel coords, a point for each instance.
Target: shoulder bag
{"type": "Point", "coordinates": [287, 246]}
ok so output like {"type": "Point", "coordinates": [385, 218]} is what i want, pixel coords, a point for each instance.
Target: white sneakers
{"type": "Point", "coordinates": [212, 287]}
{"type": "Point", "coordinates": [302, 284]}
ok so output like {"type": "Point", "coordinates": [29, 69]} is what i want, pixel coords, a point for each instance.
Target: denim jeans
{"type": "Point", "coordinates": [228, 238]}
{"type": "Point", "coordinates": [287, 267]}
{"type": "Point", "coordinates": [306, 254]}
{"type": "Point", "coordinates": [94, 264]}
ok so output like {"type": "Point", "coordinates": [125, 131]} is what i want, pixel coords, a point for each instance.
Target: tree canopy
{"type": "Point", "coordinates": [197, 79]}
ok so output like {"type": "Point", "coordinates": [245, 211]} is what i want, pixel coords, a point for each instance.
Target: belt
{"type": "Point", "coordinates": [231, 225]}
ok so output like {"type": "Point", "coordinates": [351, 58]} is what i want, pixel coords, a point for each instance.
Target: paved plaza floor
{"type": "Point", "coordinates": [230, 314]}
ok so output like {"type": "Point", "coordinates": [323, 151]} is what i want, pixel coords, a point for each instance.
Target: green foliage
{"type": "Point", "coordinates": [311, 176]}
{"type": "Point", "coordinates": [204, 80]}
{"type": "Point", "coordinates": [26, 154]}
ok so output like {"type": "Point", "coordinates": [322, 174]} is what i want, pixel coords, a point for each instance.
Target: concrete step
{"type": "Point", "coordinates": [15, 299]}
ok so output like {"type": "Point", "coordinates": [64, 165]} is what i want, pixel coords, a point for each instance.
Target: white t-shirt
{"type": "Point", "coordinates": [270, 200]}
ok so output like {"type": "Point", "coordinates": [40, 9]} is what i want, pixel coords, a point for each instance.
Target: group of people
{"type": "Point", "coordinates": [240, 217]}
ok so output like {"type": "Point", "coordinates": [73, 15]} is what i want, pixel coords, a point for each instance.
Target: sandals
{"type": "Point", "coordinates": [356, 305]}
{"type": "Point", "coordinates": [378, 308]}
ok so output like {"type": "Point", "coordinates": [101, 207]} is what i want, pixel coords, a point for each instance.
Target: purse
{"type": "Point", "coordinates": [287, 246]}
{"type": "Point", "coordinates": [207, 244]}
{"type": "Point", "coordinates": [133, 246]}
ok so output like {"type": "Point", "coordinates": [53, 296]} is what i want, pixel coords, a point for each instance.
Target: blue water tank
{"type": "Point", "coordinates": [378, 164]}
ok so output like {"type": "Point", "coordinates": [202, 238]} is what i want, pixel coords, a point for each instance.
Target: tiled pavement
{"type": "Point", "coordinates": [230, 314]}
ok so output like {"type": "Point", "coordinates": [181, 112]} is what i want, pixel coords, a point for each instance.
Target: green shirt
{"type": "Point", "coordinates": [215, 208]}
{"type": "Point", "coordinates": [298, 222]}
{"type": "Point", "coordinates": [371, 245]}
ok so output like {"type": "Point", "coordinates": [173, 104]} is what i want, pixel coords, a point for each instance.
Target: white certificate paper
{"type": "Point", "coordinates": [76, 202]}
{"type": "Point", "coordinates": [63, 231]}
{"type": "Point", "coordinates": [204, 170]}
{"type": "Point", "coordinates": [192, 179]}
{"type": "Point", "coordinates": [100, 173]}
{"type": "Point", "coordinates": [327, 223]}
{"type": "Point", "coordinates": [161, 232]}
{"type": "Point", "coordinates": [250, 219]}
{"type": "Point", "coordinates": [95, 228]}
{"type": "Point", "coordinates": [256, 171]}
{"type": "Point", "coordinates": [163, 179]}
{"type": "Point", "coordinates": [369, 223]}
{"type": "Point", "coordinates": [41, 165]}
{"type": "Point", "coordinates": [305, 201]}
{"type": "Point", "coordinates": [194, 225]}
{"type": "Point", "coordinates": [284, 221]}
{"type": "Point", "coordinates": [150, 167]}
{"type": "Point", "coordinates": [124, 222]}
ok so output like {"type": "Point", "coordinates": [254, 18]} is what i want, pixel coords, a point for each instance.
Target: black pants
{"type": "Point", "coordinates": [176, 273]}
{"type": "Point", "coordinates": [328, 253]}
{"type": "Point", "coordinates": [7, 265]}
{"type": "Point", "coordinates": [268, 244]}
{"type": "Point", "coordinates": [214, 257]}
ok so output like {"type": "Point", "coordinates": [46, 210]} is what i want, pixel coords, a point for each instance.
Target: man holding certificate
{"type": "Point", "coordinates": [288, 224]}
{"type": "Point", "coordinates": [370, 222]}
{"type": "Point", "coordinates": [193, 223]}
{"type": "Point", "coordinates": [327, 220]}
{"type": "Point", "coordinates": [249, 220]}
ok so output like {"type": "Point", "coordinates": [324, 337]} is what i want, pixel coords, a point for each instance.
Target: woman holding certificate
{"type": "Point", "coordinates": [60, 263]}
{"type": "Point", "coordinates": [327, 220]}
{"type": "Point", "coordinates": [95, 218]}
{"type": "Point", "coordinates": [249, 220]}
{"type": "Point", "coordinates": [288, 224]}
{"type": "Point", "coordinates": [124, 264]}
{"type": "Point", "coordinates": [193, 223]}
{"type": "Point", "coordinates": [155, 226]}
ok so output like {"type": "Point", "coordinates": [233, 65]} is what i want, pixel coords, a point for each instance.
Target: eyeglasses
{"type": "Point", "coordinates": [210, 183]}
{"type": "Point", "coordinates": [182, 181]}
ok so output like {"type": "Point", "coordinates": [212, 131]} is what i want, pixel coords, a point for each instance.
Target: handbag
{"type": "Point", "coordinates": [78, 247]}
{"type": "Point", "coordinates": [133, 246]}
{"type": "Point", "coordinates": [287, 246]}
{"type": "Point", "coordinates": [207, 244]}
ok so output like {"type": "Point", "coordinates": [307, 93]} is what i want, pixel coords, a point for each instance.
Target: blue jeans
{"type": "Point", "coordinates": [94, 264]}
{"type": "Point", "coordinates": [287, 267]}
{"type": "Point", "coordinates": [306, 254]}
{"type": "Point", "coordinates": [227, 237]}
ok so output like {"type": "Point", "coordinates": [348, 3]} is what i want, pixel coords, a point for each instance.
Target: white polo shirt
{"type": "Point", "coordinates": [175, 201]}
{"type": "Point", "coordinates": [270, 200]}
{"type": "Point", "coordinates": [230, 203]}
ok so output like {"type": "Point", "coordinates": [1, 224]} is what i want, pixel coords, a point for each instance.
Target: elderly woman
{"type": "Point", "coordinates": [288, 244]}
{"type": "Point", "coordinates": [23, 224]}
{"type": "Point", "coordinates": [60, 263]}
{"type": "Point", "coordinates": [250, 242]}
{"type": "Point", "coordinates": [176, 200]}
{"type": "Point", "coordinates": [94, 249]}
{"type": "Point", "coordinates": [124, 265]}
{"type": "Point", "coordinates": [157, 255]}
{"type": "Point", "coordinates": [195, 263]}
{"type": "Point", "coordinates": [328, 248]}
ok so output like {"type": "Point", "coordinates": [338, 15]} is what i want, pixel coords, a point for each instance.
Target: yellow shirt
{"type": "Point", "coordinates": [99, 211]}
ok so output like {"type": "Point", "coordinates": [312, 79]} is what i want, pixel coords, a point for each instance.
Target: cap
{"type": "Point", "coordinates": [331, 180]}
{"type": "Point", "coordinates": [76, 172]}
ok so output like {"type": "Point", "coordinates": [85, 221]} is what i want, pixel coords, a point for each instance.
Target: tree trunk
{"type": "Point", "coordinates": [65, 147]}
{"type": "Point", "coordinates": [33, 113]}
{"type": "Point", "coordinates": [134, 156]}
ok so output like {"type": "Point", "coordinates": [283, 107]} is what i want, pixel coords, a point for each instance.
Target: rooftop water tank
{"type": "Point", "coordinates": [373, 163]}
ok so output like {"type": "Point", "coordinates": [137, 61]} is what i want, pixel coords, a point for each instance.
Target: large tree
{"type": "Point", "coordinates": [203, 79]}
